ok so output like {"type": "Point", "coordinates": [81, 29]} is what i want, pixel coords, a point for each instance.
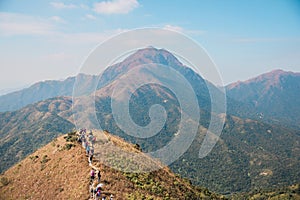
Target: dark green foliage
{"type": "Point", "coordinates": [71, 137]}
{"type": "Point", "coordinates": [4, 181]}
{"type": "Point", "coordinates": [151, 183]}
{"type": "Point", "coordinates": [34, 158]}
{"type": "Point", "coordinates": [138, 147]}
{"type": "Point", "coordinates": [228, 167]}
{"type": "Point", "coordinates": [27, 130]}
{"type": "Point", "coordinates": [243, 153]}
{"type": "Point", "coordinates": [68, 146]}
{"type": "Point", "coordinates": [290, 193]}
{"type": "Point", "coordinates": [45, 159]}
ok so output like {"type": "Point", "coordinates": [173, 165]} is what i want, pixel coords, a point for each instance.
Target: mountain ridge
{"type": "Point", "coordinates": [238, 146]}
{"type": "Point", "coordinates": [43, 90]}
{"type": "Point", "coordinates": [61, 169]}
{"type": "Point", "coordinates": [275, 95]}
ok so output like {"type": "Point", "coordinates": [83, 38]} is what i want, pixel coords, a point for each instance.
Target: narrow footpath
{"type": "Point", "coordinates": [88, 140]}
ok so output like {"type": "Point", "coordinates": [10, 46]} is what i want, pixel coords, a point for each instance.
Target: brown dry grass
{"type": "Point", "coordinates": [54, 172]}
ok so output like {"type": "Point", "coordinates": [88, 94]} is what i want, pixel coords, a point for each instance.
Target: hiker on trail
{"type": "Point", "coordinates": [91, 157]}
{"type": "Point", "coordinates": [92, 151]}
{"type": "Point", "coordinates": [93, 140]}
{"type": "Point", "coordinates": [111, 197]}
{"type": "Point", "coordinates": [92, 175]}
{"type": "Point", "coordinates": [98, 194]}
{"type": "Point", "coordinates": [79, 139]}
{"type": "Point", "coordinates": [98, 176]}
{"type": "Point", "coordinates": [91, 135]}
{"type": "Point", "coordinates": [92, 190]}
{"type": "Point", "coordinates": [87, 149]}
{"type": "Point", "coordinates": [84, 143]}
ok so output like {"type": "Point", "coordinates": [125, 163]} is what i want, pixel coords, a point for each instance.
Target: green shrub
{"type": "Point", "coordinates": [45, 159]}
{"type": "Point", "coordinates": [68, 146]}
{"type": "Point", "coordinates": [4, 181]}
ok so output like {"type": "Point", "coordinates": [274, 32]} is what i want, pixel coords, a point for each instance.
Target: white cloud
{"type": "Point", "coordinates": [183, 30]}
{"type": "Point", "coordinates": [173, 28]}
{"type": "Point", "coordinates": [58, 19]}
{"type": "Point", "coordinates": [61, 5]}
{"type": "Point", "coordinates": [115, 6]}
{"type": "Point", "coordinates": [12, 24]}
{"type": "Point", "coordinates": [87, 38]}
{"type": "Point", "coordinates": [19, 24]}
{"type": "Point", "coordinates": [92, 17]}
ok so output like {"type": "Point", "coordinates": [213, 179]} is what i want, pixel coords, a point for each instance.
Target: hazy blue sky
{"type": "Point", "coordinates": [42, 39]}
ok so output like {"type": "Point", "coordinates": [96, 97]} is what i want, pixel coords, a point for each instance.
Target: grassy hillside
{"type": "Point", "coordinates": [52, 172]}
{"type": "Point", "coordinates": [285, 193]}
{"type": "Point", "coordinates": [60, 171]}
{"type": "Point", "coordinates": [249, 155]}
{"type": "Point", "coordinates": [25, 130]}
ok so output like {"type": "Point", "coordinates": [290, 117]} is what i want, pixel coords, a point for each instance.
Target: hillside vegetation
{"type": "Point", "coordinates": [60, 171]}
{"type": "Point", "coordinates": [246, 149]}
{"type": "Point", "coordinates": [274, 95]}
{"type": "Point", "coordinates": [24, 131]}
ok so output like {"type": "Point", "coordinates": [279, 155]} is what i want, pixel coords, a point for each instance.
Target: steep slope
{"type": "Point", "coordinates": [275, 95]}
{"type": "Point", "coordinates": [60, 171]}
{"type": "Point", "coordinates": [52, 172]}
{"type": "Point", "coordinates": [246, 149]}
{"type": "Point", "coordinates": [250, 155]}
{"type": "Point", "coordinates": [25, 130]}
{"type": "Point", "coordinates": [44, 90]}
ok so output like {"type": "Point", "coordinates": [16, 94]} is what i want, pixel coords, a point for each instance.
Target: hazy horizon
{"type": "Point", "coordinates": [49, 40]}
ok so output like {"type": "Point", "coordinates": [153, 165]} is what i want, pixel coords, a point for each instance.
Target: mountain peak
{"type": "Point", "coordinates": [270, 78]}
{"type": "Point", "coordinates": [273, 76]}
{"type": "Point", "coordinates": [152, 55]}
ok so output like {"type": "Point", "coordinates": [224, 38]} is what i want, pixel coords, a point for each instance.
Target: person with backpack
{"type": "Point", "coordinates": [99, 176]}
{"type": "Point", "coordinates": [92, 175]}
{"type": "Point", "coordinates": [92, 190]}
{"type": "Point", "coordinates": [91, 157]}
{"type": "Point", "coordinates": [98, 194]}
{"type": "Point", "coordinates": [87, 149]}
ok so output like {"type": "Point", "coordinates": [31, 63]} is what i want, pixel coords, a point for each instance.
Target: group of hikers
{"type": "Point", "coordinates": [88, 141]}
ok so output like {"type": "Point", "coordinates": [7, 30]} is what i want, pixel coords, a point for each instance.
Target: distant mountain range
{"type": "Point", "coordinates": [250, 154]}
{"type": "Point", "coordinates": [255, 98]}
{"type": "Point", "coordinates": [44, 90]}
{"type": "Point", "coordinates": [275, 95]}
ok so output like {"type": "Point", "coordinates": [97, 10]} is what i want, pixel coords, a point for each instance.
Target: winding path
{"type": "Point", "coordinates": [92, 196]}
